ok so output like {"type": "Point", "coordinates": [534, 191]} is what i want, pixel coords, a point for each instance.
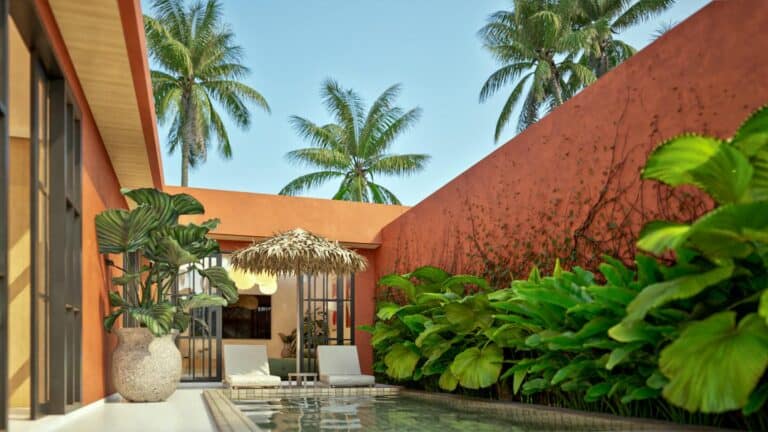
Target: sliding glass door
{"type": "Point", "coordinates": [62, 326]}
{"type": "Point", "coordinates": [40, 199]}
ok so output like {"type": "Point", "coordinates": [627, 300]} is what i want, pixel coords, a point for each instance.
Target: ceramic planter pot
{"type": "Point", "coordinates": [145, 368]}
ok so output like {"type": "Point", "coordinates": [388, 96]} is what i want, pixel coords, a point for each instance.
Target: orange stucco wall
{"type": "Point", "coordinates": [575, 174]}
{"type": "Point", "coordinates": [251, 215]}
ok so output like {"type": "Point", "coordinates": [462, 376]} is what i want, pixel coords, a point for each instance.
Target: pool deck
{"type": "Point", "coordinates": [189, 409]}
{"type": "Point", "coordinates": [184, 411]}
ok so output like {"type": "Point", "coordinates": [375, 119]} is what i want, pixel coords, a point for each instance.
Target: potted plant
{"type": "Point", "coordinates": [156, 249]}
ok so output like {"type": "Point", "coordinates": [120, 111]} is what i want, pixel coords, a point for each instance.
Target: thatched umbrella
{"type": "Point", "coordinates": [298, 252]}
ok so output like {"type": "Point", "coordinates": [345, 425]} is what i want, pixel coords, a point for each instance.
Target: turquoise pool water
{"type": "Point", "coordinates": [366, 413]}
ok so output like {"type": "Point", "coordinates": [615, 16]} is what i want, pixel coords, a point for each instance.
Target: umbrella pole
{"type": "Point", "coordinates": [299, 324]}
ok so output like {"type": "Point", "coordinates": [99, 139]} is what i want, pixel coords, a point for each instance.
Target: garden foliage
{"type": "Point", "coordinates": [686, 322]}
{"type": "Point", "coordinates": [156, 250]}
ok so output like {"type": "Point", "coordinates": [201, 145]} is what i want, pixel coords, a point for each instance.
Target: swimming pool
{"type": "Point", "coordinates": [367, 413]}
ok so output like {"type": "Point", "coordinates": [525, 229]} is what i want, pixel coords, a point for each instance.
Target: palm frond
{"type": "Point", "coordinates": [309, 181]}
{"type": "Point", "coordinates": [502, 77]}
{"type": "Point", "coordinates": [509, 105]}
{"type": "Point", "coordinates": [382, 195]}
{"type": "Point", "coordinates": [403, 165]}
{"type": "Point", "coordinates": [344, 105]}
{"type": "Point", "coordinates": [319, 158]}
{"type": "Point", "coordinates": [321, 136]}
{"type": "Point", "coordinates": [381, 143]}
{"type": "Point", "coordinates": [640, 11]}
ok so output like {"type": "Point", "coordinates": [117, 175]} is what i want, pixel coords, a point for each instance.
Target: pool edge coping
{"type": "Point", "coordinates": [542, 416]}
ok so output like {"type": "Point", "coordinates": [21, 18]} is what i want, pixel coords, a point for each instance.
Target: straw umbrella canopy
{"type": "Point", "coordinates": [298, 252]}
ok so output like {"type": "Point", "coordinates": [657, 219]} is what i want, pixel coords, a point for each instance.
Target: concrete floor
{"type": "Point", "coordinates": [185, 411]}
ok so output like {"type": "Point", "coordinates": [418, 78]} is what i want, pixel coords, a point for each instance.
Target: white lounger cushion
{"type": "Point", "coordinates": [347, 380]}
{"type": "Point", "coordinates": [253, 380]}
{"type": "Point", "coordinates": [247, 366]}
{"type": "Point", "coordinates": [339, 366]}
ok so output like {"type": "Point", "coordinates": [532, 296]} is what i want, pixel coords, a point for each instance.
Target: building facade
{"type": "Point", "coordinates": [77, 124]}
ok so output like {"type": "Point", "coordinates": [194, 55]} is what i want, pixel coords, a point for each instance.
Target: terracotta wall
{"type": "Point", "coordinates": [569, 185]}
{"type": "Point", "coordinates": [247, 215]}
{"type": "Point", "coordinates": [101, 190]}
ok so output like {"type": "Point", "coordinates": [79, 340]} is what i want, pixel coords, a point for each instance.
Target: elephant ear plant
{"type": "Point", "coordinates": [156, 250]}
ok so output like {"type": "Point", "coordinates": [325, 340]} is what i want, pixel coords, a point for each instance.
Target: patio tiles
{"type": "Point", "coordinates": [184, 411]}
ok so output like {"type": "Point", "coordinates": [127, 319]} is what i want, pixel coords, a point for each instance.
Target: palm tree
{"type": "Point", "coordinates": [603, 20]}
{"type": "Point", "coordinates": [199, 71]}
{"type": "Point", "coordinates": [536, 44]}
{"type": "Point", "coordinates": [354, 149]}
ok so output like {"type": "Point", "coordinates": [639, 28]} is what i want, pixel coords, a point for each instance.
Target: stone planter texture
{"type": "Point", "coordinates": [145, 368]}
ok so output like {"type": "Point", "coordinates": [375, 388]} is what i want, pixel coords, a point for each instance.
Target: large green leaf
{"type": "Point", "coordinates": [401, 360]}
{"type": "Point", "coordinates": [157, 318]}
{"type": "Point", "coordinates": [457, 283]}
{"type": "Point", "coordinates": [752, 135]}
{"type": "Point", "coordinates": [762, 307]}
{"type": "Point", "coordinates": [706, 162]}
{"type": "Point", "coordinates": [661, 293]}
{"type": "Point", "coordinates": [400, 282]}
{"type": "Point", "coordinates": [115, 299]}
{"type": "Point", "coordinates": [429, 274]}
{"type": "Point", "coordinates": [478, 368]}
{"type": "Point", "coordinates": [201, 301]}
{"type": "Point", "coordinates": [186, 204]}
{"type": "Point", "coordinates": [448, 381]}
{"type": "Point", "coordinates": [429, 331]}
{"type": "Point", "coordinates": [730, 230]}
{"type": "Point", "coordinates": [473, 312]}
{"type": "Point", "coordinates": [159, 202]}
{"type": "Point", "coordinates": [168, 250]}
{"type": "Point", "coordinates": [109, 320]}
{"type": "Point", "coordinates": [639, 331]}
{"type": "Point", "coordinates": [714, 365]}
{"type": "Point", "coordinates": [752, 140]}
{"type": "Point", "coordinates": [122, 231]}
{"type": "Point", "coordinates": [383, 332]}
{"type": "Point", "coordinates": [659, 236]}
{"type": "Point", "coordinates": [219, 279]}
{"type": "Point", "coordinates": [621, 353]}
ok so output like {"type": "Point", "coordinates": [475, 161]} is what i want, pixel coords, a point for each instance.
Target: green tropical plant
{"type": "Point", "coordinates": [156, 250]}
{"type": "Point", "coordinates": [602, 20]}
{"type": "Point", "coordinates": [729, 247]}
{"type": "Point", "coordinates": [684, 334]}
{"type": "Point", "coordinates": [536, 43]}
{"type": "Point", "coordinates": [199, 72]}
{"type": "Point", "coordinates": [355, 147]}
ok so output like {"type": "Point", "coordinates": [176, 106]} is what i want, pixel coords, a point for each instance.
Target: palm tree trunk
{"type": "Point", "coordinates": [184, 163]}
{"type": "Point", "coordinates": [602, 63]}
{"type": "Point", "coordinates": [555, 81]}
{"type": "Point", "coordinates": [188, 135]}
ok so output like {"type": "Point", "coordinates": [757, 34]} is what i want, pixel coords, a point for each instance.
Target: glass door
{"type": "Point", "coordinates": [40, 334]}
{"type": "Point", "coordinates": [62, 326]}
{"type": "Point", "coordinates": [200, 344]}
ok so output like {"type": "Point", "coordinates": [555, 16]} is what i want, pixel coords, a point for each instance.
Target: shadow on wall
{"type": "Point", "coordinates": [569, 186]}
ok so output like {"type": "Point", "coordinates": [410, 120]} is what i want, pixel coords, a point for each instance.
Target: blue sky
{"type": "Point", "coordinates": [430, 46]}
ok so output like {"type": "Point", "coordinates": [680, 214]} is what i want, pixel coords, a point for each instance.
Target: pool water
{"type": "Point", "coordinates": [366, 413]}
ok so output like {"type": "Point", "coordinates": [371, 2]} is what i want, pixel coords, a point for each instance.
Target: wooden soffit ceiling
{"type": "Point", "coordinates": [93, 33]}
